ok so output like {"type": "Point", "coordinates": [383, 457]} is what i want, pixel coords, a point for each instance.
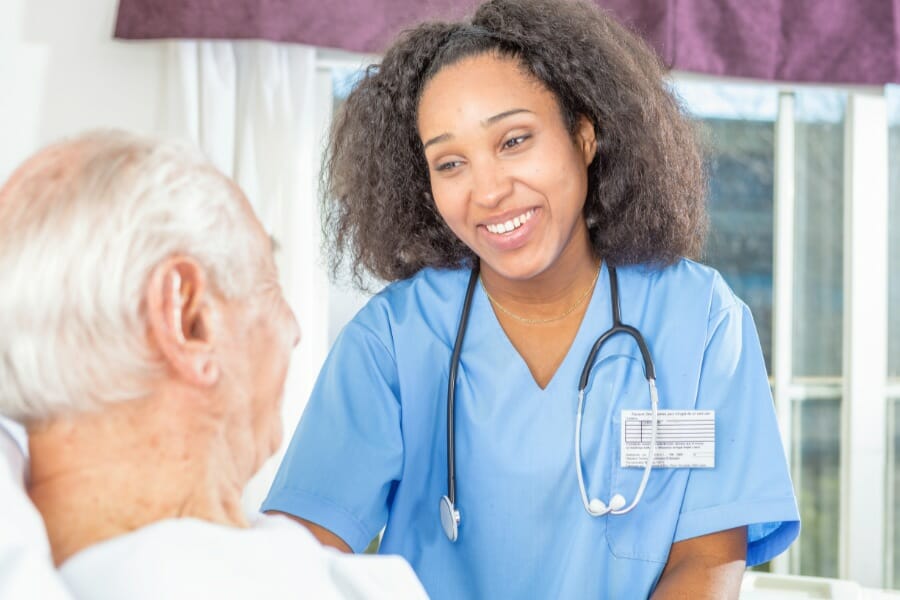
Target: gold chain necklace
{"type": "Point", "coordinates": [565, 314]}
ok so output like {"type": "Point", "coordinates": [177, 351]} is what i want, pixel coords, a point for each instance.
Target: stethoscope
{"type": "Point", "coordinates": [595, 507]}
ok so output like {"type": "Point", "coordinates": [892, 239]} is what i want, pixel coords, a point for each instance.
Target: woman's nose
{"type": "Point", "coordinates": [491, 185]}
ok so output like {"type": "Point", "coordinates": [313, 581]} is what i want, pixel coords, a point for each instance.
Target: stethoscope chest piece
{"type": "Point", "coordinates": [449, 519]}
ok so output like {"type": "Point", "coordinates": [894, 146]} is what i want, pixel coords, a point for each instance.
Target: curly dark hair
{"type": "Point", "coordinates": [646, 186]}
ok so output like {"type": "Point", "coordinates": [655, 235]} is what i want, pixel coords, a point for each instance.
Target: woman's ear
{"type": "Point", "coordinates": [180, 319]}
{"type": "Point", "coordinates": [586, 137]}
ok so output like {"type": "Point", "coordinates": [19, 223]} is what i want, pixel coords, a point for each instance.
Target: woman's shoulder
{"type": "Point", "coordinates": [432, 298]}
{"type": "Point", "coordinates": [687, 280]}
{"type": "Point", "coordinates": [425, 283]}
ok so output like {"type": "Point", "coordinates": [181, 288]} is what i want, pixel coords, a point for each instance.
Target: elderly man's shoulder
{"type": "Point", "coordinates": [189, 558]}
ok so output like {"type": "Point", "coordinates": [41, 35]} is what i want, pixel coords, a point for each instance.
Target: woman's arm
{"type": "Point", "coordinates": [705, 567]}
{"type": "Point", "coordinates": [325, 536]}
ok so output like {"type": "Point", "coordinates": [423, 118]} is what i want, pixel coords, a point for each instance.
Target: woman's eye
{"type": "Point", "coordinates": [515, 141]}
{"type": "Point", "coordinates": [446, 166]}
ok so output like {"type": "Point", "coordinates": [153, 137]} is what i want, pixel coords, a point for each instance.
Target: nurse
{"type": "Point", "coordinates": [532, 164]}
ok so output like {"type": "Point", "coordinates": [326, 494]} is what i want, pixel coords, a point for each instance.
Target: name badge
{"type": "Point", "coordinates": [685, 439]}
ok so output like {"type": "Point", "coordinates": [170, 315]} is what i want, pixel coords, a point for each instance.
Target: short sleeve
{"type": "Point", "coordinates": [347, 452]}
{"type": "Point", "coordinates": [750, 484]}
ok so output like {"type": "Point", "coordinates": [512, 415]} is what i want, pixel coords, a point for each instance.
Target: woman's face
{"type": "Point", "coordinates": [507, 176]}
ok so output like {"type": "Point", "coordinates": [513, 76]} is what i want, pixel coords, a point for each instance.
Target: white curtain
{"type": "Point", "coordinates": [259, 110]}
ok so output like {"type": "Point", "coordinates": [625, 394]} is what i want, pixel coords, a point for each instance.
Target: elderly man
{"type": "Point", "coordinates": [145, 342]}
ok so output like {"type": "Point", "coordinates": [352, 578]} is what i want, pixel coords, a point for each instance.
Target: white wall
{"type": "Point", "coordinates": [61, 72]}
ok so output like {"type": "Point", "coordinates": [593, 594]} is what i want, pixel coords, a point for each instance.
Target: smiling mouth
{"type": "Point", "coordinates": [512, 224]}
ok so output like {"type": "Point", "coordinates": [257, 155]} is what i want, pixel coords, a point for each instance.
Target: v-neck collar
{"type": "Point", "coordinates": [568, 371]}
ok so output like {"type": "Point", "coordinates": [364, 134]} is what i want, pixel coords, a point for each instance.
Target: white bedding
{"type": "Point", "coordinates": [180, 558]}
{"type": "Point", "coordinates": [190, 559]}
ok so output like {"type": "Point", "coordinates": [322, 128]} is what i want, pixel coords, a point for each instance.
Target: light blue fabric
{"type": "Point", "coordinates": [370, 449]}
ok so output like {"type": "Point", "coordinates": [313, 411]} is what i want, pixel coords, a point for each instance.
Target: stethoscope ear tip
{"type": "Point", "coordinates": [617, 502]}
{"type": "Point", "coordinates": [597, 507]}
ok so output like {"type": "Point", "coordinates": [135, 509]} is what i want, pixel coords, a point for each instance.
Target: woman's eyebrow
{"type": "Point", "coordinates": [445, 137]}
{"type": "Point", "coordinates": [503, 115]}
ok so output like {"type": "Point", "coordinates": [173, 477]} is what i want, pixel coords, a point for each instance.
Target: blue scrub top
{"type": "Point", "coordinates": [371, 448]}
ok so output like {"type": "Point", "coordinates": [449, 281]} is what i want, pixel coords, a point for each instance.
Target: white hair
{"type": "Point", "coordinates": [82, 225]}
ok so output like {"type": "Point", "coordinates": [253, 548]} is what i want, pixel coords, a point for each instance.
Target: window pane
{"type": "Point", "coordinates": [818, 260]}
{"type": "Point", "coordinates": [342, 82]}
{"type": "Point", "coordinates": [817, 479]}
{"type": "Point", "coordinates": [893, 483]}
{"type": "Point", "coordinates": [739, 124]}
{"type": "Point", "coordinates": [818, 322]}
{"type": "Point", "coordinates": [894, 491]}
{"type": "Point", "coordinates": [893, 98]}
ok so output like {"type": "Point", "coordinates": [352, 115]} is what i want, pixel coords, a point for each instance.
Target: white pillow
{"type": "Point", "coordinates": [26, 565]}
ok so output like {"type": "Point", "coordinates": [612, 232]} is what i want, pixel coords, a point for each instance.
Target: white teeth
{"type": "Point", "coordinates": [511, 225]}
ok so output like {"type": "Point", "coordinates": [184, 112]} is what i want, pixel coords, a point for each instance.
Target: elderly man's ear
{"type": "Point", "coordinates": [180, 314]}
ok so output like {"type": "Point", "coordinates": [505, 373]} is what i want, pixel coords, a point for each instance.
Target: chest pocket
{"type": "Point", "coordinates": [618, 383]}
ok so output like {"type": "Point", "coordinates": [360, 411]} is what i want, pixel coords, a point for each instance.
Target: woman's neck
{"type": "Point", "coordinates": [554, 290]}
{"type": "Point", "coordinates": [95, 477]}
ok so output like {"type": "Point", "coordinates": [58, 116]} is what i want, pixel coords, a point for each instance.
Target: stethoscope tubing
{"type": "Point", "coordinates": [451, 385]}
{"type": "Point", "coordinates": [449, 514]}
{"type": "Point", "coordinates": [617, 327]}
{"type": "Point", "coordinates": [648, 466]}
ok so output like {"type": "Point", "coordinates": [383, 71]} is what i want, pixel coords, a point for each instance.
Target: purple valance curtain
{"type": "Point", "coordinates": [824, 41]}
